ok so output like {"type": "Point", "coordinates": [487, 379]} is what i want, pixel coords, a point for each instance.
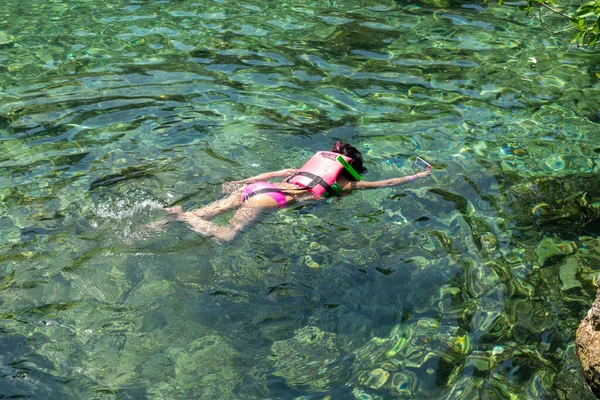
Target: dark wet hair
{"type": "Point", "coordinates": [356, 158]}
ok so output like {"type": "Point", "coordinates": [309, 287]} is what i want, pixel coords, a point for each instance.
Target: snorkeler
{"type": "Point", "coordinates": [326, 174]}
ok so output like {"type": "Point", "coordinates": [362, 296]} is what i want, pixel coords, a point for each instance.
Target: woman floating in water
{"type": "Point", "coordinates": [326, 174]}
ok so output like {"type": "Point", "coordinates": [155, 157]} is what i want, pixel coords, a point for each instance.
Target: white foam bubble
{"type": "Point", "coordinates": [124, 208]}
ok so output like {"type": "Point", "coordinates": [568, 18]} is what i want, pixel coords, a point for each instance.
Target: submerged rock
{"type": "Point", "coordinates": [563, 205]}
{"type": "Point", "coordinates": [309, 360]}
{"type": "Point", "coordinates": [206, 369]}
{"type": "Point", "coordinates": [404, 384]}
{"type": "Point", "coordinates": [588, 346]}
{"type": "Point", "coordinates": [550, 248]}
{"type": "Point", "coordinates": [375, 379]}
{"type": "Point", "coordinates": [6, 40]}
{"type": "Point", "coordinates": [400, 365]}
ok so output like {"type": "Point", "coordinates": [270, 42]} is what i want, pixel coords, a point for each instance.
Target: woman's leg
{"type": "Point", "coordinates": [215, 208]}
{"type": "Point", "coordinates": [247, 212]}
{"type": "Point", "coordinates": [207, 212]}
{"type": "Point", "coordinates": [241, 219]}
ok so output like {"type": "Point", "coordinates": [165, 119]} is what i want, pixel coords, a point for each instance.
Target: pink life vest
{"type": "Point", "coordinates": [319, 173]}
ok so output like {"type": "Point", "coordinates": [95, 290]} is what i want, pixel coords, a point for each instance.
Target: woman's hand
{"type": "Point", "coordinates": [423, 174]}
{"type": "Point", "coordinates": [230, 187]}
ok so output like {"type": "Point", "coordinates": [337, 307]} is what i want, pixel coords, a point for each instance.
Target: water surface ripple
{"type": "Point", "coordinates": [467, 285]}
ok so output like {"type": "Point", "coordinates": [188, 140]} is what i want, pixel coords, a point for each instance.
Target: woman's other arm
{"type": "Point", "coordinates": [230, 186]}
{"type": "Point", "coordinates": [266, 176]}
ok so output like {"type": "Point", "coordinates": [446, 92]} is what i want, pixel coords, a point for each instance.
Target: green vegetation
{"type": "Point", "coordinates": [584, 18]}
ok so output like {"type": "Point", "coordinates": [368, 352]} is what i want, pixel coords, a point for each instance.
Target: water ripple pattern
{"type": "Point", "coordinates": [467, 285]}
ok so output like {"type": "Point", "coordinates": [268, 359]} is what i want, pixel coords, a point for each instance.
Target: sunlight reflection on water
{"type": "Point", "coordinates": [468, 284]}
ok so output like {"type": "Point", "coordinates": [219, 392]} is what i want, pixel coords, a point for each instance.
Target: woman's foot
{"type": "Point", "coordinates": [173, 210]}
{"type": "Point", "coordinates": [145, 231]}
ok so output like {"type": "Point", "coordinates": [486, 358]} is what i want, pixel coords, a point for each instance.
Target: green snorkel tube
{"type": "Point", "coordinates": [352, 172]}
{"type": "Point", "coordinates": [349, 168]}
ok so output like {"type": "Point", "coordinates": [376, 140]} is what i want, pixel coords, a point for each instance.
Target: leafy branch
{"type": "Point", "coordinates": [585, 19]}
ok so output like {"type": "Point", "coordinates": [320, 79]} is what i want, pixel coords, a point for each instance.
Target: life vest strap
{"type": "Point", "coordinates": [316, 180]}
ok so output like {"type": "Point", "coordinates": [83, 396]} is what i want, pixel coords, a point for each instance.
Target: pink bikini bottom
{"type": "Point", "coordinates": [264, 188]}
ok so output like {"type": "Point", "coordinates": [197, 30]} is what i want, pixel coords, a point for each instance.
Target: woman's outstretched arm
{"type": "Point", "coordinates": [353, 185]}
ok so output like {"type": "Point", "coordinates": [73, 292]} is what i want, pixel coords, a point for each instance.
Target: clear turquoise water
{"type": "Point", "coordinates": [468, 285]}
